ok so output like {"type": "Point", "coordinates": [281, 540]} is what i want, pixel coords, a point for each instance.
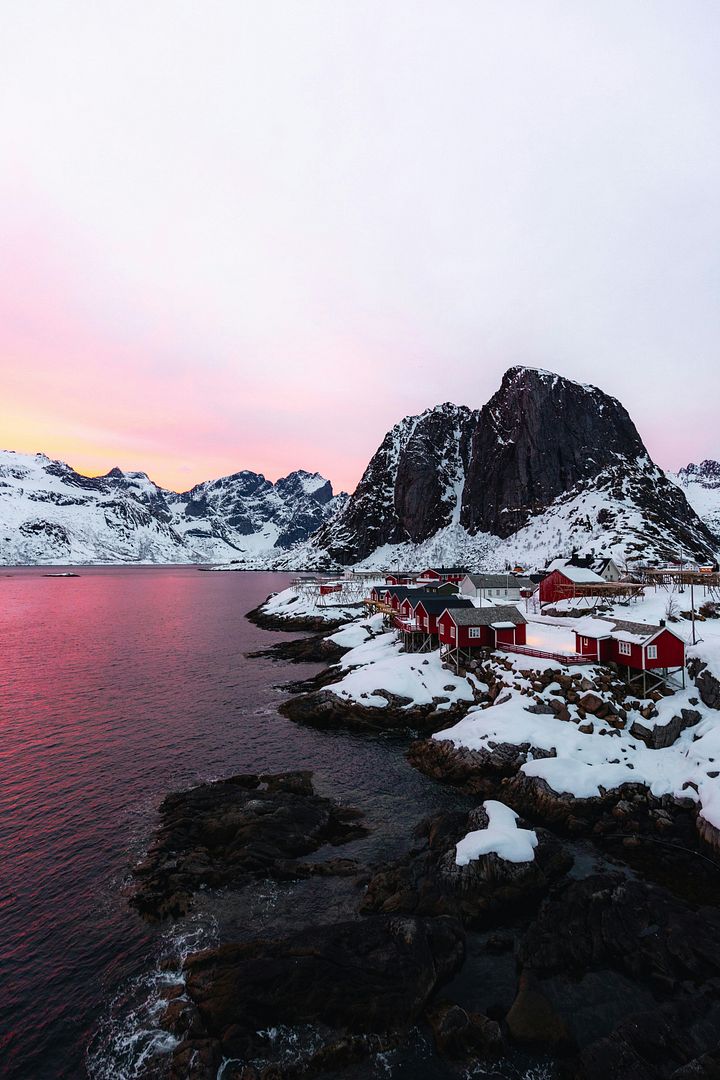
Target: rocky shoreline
{"type": "Point", "coordinates": [599, 957]}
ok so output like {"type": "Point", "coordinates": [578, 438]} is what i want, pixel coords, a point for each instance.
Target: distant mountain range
{"type": "Point", "coordinates": [49, 513]}
{"type": "Point", "coordinates": [548, 466]}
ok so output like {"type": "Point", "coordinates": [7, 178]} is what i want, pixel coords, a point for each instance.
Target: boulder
{"type": "Point", "coordinates": [232, 831]}
{"type": "Point", "coordinates": [346, 979]}
{"type": "Point", "coordinates": [428, 881]}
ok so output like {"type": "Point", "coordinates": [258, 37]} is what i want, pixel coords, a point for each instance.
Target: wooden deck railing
{"type": "Point", "coordinates": [531, 650]}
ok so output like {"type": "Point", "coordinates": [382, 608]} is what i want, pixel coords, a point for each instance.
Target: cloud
{"type": "Point", "coordinates": [257, 235]}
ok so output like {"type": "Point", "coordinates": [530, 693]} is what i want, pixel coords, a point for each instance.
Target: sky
{"type": "Point", "coordinates": [254, 235]}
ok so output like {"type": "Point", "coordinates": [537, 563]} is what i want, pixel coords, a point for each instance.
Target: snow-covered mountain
{"type": "Point", "coordinates": [49, 513]}
{"type": "Point", "coordinates": [410, 490]}
{"type": "Point", "coordinates": [546, 467]}
{"type": "Point", "coordinates": [701, 486]}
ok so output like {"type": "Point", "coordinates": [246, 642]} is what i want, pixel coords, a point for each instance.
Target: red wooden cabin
{"type": "Point", "coordinates": [400, 579]}
{"type": "Point", "coordinates": [478, 628]}
{"type": "Point", "coordinates": [428, 609]}
{"type": "Point", "coordinates": [639, 647]}
{"type": "Point", "coordinates": [442, 573]}
{"type": "Point", "coordinates": [558, 585]}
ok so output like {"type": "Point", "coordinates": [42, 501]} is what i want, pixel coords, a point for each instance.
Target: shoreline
{"type": "Point", "coordinates": [515, 908]}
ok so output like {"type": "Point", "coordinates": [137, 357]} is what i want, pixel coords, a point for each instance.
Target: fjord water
{"type": "Point", "coordinates": [116, 687]}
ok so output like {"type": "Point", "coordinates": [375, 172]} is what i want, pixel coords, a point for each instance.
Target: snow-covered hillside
{"type": "Point", "coordinates": [701, 487]}
{"type": "Point", "coordinates": [547, 467]}
{"type": "Point", "coordinates": [51, 514]}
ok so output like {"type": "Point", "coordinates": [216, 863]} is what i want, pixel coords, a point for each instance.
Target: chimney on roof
{"type": "Point", "coordinates": [662, 622]}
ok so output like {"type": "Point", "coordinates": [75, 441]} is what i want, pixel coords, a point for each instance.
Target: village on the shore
{"type": "Point", "coordinates": [604, 676]}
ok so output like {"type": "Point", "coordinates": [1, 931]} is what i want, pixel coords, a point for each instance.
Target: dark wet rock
{"type": "Point", "coordinates": [612, 921]}
{"type": "Point", "coordinates": [676, 1041]}
{"type": "Point", "coordinates": [476, 772]}
{"type": "Point", "coordinates": [533, 1019]}
{"type": "Point", "coordinates": [347, 979]}
{"type": "Point", "coordinates": [325, 710]}
{"type": "Point", "coordinates": [231, 831]}
{"type": "Point", "coordinates": [462, 1036]}
{"type": "Point", "coordinates": [314, 624]}
{"type": "Point", "coordinates": [314, 649]}
{"type": "Point", "coordinates": [428, 881]}
{"type": "Point", "coordinates": [626, 972]}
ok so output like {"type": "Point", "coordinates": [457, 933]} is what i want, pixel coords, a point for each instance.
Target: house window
{"type": "Point", "coordinates": [586, 641]}
{"type": "Point", "coordinates": [652, 652]}
{"type": "Point", "coordinates": [624, 648]}
{"type": "Point", "coordinates": [452, 631]}
{"type": "Point", "coordinates": [474, 632]}
{"type": "Point", "coordinates": [427, 623]}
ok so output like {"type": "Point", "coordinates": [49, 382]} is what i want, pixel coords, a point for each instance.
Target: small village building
{"type": "Point", "coordinates": [496, 587]}
{"type": "Point", "coordinates": [558, 584]}
{"type": "Point", "coordinates": [445, 588]}
{"type": "Point", "coordinates": [387, 594]}
{"type": "Point", "coordinates": [398, 577]}
{"type": "Point", "coordinates": [653, 654]}
{"type": "Point", "coordinates": [461, 632]}
{"type": "Point", "coordinates": [419, 615]}
{"type": "Point", "coordinates": [604, 566]}
{"type": "Point", "coordinates": [441, 574]}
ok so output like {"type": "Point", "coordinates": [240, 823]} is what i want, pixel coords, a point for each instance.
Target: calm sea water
{"type": "Point", "coordinates": [116, 687]}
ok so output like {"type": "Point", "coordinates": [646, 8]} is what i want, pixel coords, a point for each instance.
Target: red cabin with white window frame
{"type": "Point", "coordinates": [638, 646]}
{"type": "Point", "coordinates": [481, 628]}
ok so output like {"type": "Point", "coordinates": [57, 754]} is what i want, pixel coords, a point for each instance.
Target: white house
{"type": "Point", "coordinates": [496, 587]}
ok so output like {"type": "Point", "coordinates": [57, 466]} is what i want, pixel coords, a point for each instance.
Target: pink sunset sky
{"type": "Point", "coordinates": [255, 235]}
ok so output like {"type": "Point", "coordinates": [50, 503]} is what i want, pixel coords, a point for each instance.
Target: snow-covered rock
{"type": "Point", "coordinates": [502, 837]}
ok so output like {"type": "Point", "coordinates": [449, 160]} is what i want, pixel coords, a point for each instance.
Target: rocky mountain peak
{"type": "Point", "coordinates": [707, 473]}
{"type": "Point", "coordinates": [547, 463]}
{"type": "Point", "coordinates": [536, 438]}
{"type": "Point", "coordinates": [410, 488]}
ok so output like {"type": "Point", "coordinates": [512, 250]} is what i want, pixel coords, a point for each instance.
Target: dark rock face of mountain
{"type": "Point", "coordinates": [538, 437]}
{"type": "Point", "coordinates": [540, 441]}
{"type": "Point", "coordinates": [410, 488]}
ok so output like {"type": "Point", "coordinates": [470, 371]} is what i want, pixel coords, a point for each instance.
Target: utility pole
{"type": "Point", "coordinates": [692, 610]}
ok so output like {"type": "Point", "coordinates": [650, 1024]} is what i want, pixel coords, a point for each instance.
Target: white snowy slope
{"type": "Point", "coordinates": [50, 514]}
{"type": "Point", "coordinates": [609, 516]}
{"type": "Point", "coordinates": [701, 487]}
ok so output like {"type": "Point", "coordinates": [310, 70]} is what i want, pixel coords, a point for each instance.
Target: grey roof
{"type": "Point", "coordinates": [435, 605]}
{"type": "Point", "coordinates": [486, 616]}
{"type": "Point", "coordinates": [447, 569]}
{"type": "Point", "coordinates": [641, 629]}
{"type": "Point", "coordinates": [500, 581]}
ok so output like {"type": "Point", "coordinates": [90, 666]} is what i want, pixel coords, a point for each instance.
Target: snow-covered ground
{"type": "Point", "coordinates": [502, 837]}
{"type": "Point", "coordinates": [380, 664]}
{"type": "Point", "coordinates": [302, 602]}
{"type": "Point", "coordinates": [585, 763]}
{"type": "Point", "coordinates": [544, 635]}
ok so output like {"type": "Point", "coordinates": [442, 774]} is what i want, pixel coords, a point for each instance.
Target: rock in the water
{"type": "Point", "coordinates": [428, 881]}
{"type": "Point", "coordinates": [461, 1035]}
{"type": "Point", "coordinates": [349, 979]}
{"type": "Point", "coordinates": [325, 710]}
{"type": "Point", "coordinates": [234, 830]}
{"type": "Point", "coordinates": [676, 1041]}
